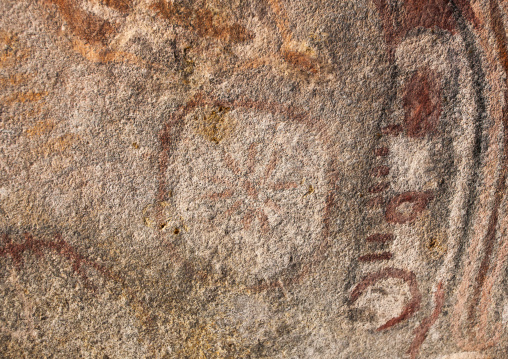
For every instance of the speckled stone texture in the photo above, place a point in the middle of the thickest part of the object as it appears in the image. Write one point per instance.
(254, 179)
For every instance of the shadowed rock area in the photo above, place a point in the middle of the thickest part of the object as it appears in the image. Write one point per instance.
(254, 179)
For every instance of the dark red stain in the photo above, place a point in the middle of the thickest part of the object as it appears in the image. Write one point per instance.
(422, 104)
(301, 61)
(407, 276)
(392, 130)
(380, 187)
(422, 330)
(419, 201)
(121, 5)
(412, 14)
(201, 21)
(380, 171)
(372, 257)
(380, 237)
(381, 151)
(84, 25)
(59, 246)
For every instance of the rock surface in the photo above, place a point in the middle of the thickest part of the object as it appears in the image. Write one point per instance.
(253, 179)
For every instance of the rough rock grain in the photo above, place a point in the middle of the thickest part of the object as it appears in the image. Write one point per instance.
(253, 179)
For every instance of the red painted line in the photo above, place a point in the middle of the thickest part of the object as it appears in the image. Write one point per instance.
(58, 245)
(489, 240)
(375, 257)
(419, 201)
(407, 276)
(422, 330)
(380, 171)
(380, 237)
(379, 187)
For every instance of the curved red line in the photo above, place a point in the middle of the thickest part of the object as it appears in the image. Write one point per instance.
(63, 248)
(16, 250)
(380, 237)
(490, 237)
(422, 330)
(407, 276)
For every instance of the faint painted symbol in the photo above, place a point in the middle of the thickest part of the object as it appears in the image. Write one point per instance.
(254, 190)
(257, 204)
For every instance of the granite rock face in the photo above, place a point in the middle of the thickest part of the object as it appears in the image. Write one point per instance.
(253, 179)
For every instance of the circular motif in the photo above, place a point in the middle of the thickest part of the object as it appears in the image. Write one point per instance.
(253, 201)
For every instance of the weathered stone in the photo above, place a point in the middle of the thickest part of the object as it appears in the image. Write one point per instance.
(262, 179)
